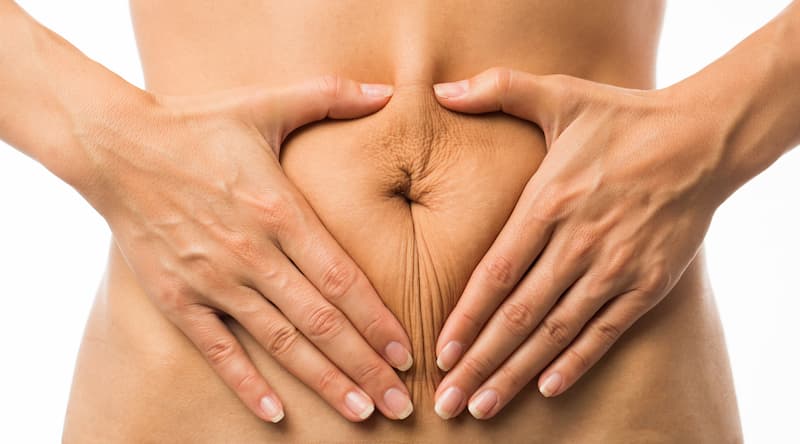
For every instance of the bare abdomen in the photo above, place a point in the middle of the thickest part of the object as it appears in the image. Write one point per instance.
(415, 194)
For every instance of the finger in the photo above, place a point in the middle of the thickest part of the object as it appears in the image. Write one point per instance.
(282, 110)
(509, 327)
(593, 343)
(296, 354)
(229, 360)
(551, 337)
(333, 334)
(538, 98)
(323, 261)
(517, 245)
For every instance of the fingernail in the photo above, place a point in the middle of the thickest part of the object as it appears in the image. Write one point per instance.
(377, 89)
(483, 403)
(551, 384)
(271, 407)
(400, 357)
(447, 405)
(452, 89)
(449, 355)
(359, 404)
(398, 402)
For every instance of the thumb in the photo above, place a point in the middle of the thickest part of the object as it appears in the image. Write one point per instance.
(279, 111)
(549, 101)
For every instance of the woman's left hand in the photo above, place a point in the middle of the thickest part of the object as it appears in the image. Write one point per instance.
(616, 212)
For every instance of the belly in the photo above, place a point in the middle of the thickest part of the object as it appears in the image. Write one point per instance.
(415, 194)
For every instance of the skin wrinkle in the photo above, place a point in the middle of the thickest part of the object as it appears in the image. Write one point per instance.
(426, 148)
(449, 167)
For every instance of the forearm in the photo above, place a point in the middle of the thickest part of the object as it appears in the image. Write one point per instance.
(751, 97)
(51, 93)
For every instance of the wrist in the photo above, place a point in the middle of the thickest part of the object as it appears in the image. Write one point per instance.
(102, 131)
(53, 95)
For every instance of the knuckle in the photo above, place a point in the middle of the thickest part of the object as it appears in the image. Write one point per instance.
(606, 331)
(328, 380)
(555, 331)
(220, 351)
(273, 210)
(373, 327)
(619, 263)
(503, 77)
(330, 86)
(578, 358)
(282, 339)
(472, 320)
(596, 295)
(583, 243)
(172, 297)
(476, 367)
(367, 371)
(517, 317)
(512, 377)
(243, 307)
(500, 271)
(596, 292)
(242, 246)
(657, 281)
(245, 381)
(324, 323)
(552, 202)
(337, 280)
(206, 272)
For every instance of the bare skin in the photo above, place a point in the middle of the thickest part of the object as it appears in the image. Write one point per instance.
(619, 235)
(207, 236)
(412, 178)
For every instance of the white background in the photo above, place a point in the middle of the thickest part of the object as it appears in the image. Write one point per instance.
(53, 245)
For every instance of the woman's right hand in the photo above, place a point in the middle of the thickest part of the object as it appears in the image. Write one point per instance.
(198, 203)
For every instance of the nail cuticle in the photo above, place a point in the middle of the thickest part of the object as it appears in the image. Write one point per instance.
(359, 404)
(449, 403)
(399, 356)
(551, 385)
(449, 355)
(398, 402)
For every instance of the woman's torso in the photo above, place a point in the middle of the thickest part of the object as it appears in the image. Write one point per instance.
(139, 380)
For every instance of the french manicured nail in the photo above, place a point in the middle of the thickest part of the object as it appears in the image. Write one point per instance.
(398, 402)
(377, 89)
(451, 90)
(272, 408)
(551, 384)
(400, 357)
(359, 404)
(449, 355)
(483, 403)
(448, 404)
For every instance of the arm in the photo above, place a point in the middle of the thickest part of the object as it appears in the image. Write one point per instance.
(752, 95)
(616, 212)
(194, 193)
